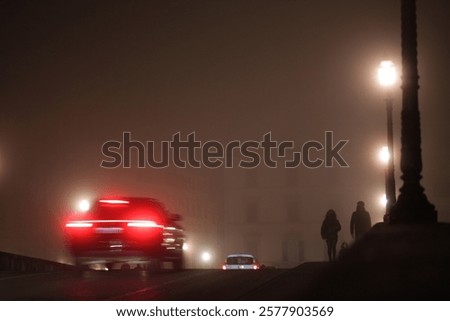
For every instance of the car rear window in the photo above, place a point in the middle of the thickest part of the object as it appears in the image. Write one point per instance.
(240, 260)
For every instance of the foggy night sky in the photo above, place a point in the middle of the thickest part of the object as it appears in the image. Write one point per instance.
(76, 74)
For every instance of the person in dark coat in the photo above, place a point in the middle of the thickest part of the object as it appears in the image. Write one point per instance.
(329, 231)
(360, 222)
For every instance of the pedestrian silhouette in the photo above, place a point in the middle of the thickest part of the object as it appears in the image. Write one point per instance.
(329, 231)
(360, 222)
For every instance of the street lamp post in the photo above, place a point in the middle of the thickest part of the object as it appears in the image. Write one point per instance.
(387, 77)
(412, 205)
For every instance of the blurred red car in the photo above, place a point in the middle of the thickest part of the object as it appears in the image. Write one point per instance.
(131, 230)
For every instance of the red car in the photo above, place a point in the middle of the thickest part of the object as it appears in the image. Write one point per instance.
(128, 230)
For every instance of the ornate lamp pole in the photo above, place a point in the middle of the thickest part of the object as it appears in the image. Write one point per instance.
(412, 205)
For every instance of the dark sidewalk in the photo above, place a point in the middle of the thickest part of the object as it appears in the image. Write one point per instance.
(401, 262)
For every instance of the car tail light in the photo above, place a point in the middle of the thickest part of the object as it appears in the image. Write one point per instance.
(142, 224)
(255, 267)
(114, 202)
(224, 267)
(79, 224)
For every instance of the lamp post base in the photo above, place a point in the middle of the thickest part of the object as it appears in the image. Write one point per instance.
(413, 208)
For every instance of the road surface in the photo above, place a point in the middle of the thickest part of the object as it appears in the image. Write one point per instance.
(166, 285)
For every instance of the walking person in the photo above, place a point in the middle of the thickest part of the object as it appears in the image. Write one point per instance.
(329, 231)
(360, 222)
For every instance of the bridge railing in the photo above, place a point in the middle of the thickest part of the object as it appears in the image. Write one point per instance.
(19, 263)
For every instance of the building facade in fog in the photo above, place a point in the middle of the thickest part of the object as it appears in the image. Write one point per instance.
(276, 213)
(263, 216)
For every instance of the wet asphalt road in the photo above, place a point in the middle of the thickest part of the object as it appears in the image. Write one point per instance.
(166, 285)
(133, 285)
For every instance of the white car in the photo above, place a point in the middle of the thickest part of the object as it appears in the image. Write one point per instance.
(241, 262)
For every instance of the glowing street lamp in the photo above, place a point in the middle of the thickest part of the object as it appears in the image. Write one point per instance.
(206, 257)
(387, 77)
(384, 155)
